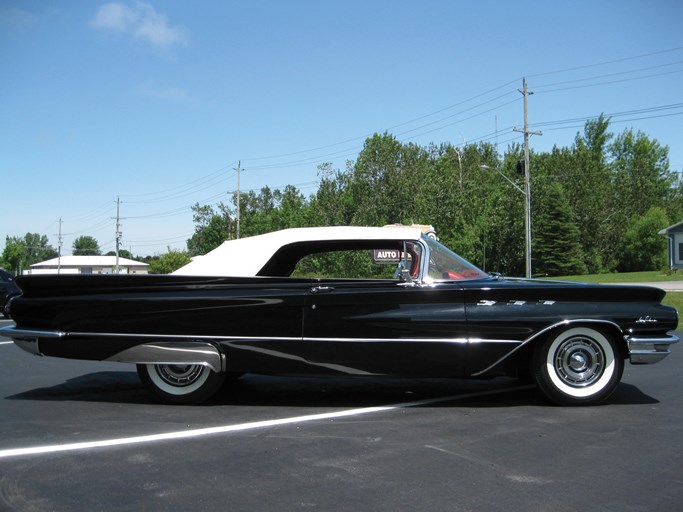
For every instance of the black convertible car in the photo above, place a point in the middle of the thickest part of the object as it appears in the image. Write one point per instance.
(344, 301)
(7, 287)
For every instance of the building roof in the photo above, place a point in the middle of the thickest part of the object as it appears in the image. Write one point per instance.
(675, 227)
(88, 261)
(246, 256)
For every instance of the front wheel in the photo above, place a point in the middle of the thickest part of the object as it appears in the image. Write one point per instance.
(180, 384)
(579, 366)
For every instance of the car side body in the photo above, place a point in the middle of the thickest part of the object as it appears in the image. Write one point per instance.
(239, 310)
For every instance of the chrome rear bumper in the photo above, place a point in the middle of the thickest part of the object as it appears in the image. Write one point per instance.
(27, 339)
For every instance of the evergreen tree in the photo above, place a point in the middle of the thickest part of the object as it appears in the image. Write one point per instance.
(557, 250)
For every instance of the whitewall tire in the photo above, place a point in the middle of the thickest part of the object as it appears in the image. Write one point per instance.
(180, 384)
(578, 366)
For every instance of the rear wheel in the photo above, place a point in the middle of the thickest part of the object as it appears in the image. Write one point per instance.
(180, 383)
(579, 366)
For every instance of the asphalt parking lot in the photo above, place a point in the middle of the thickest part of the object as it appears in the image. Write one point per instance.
(80, 435)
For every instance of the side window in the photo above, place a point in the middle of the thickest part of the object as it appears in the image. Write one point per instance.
(351, 264)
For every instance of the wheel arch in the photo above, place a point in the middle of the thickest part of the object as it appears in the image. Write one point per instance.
(521, 357)
(606, 327)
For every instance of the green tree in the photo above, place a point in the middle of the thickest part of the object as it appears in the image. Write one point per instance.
(557, 250)
(504, 214)
(211, 230)
(291, 208)
(21, 253)
(86, 246)
(123, 253)
(330, 205)
(641, 172)
(589, 188)
(14, 255)
(169, 262)
(381, 182)
(643, 248)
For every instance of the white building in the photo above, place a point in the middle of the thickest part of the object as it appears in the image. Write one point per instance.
(88, 265)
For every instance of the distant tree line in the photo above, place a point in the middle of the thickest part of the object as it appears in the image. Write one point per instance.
(22, 252)
(597, 206)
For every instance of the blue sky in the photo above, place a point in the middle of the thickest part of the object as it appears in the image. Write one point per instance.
(155, 102)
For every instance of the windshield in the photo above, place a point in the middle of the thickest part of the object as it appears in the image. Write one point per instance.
(444, 264)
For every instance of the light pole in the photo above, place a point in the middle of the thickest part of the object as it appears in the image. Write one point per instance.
(527, 211)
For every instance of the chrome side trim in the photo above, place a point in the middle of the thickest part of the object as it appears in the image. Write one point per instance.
(201, 337)
(183, 337)
(196, 349)
(200, 353)
(644, 350)
(387, 340)
(29, 334)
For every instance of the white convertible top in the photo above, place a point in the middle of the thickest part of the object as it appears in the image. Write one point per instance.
(246, 256)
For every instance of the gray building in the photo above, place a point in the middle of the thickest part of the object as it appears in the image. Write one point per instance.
(674, 235)
(88, 265)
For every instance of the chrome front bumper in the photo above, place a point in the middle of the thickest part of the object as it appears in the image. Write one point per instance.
(644, 350)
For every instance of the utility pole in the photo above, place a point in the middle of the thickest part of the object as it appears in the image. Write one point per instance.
(118, 233)
(238, 198)
(527, 174)
(59, 247)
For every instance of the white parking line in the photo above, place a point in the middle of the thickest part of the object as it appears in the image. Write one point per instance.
(200, 432)
(6, 342)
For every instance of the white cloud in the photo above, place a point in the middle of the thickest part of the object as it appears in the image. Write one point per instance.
(142, 22)
(114, 17)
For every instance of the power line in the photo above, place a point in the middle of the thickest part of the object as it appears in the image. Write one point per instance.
(608, 75)
(607, 62)
(613, 81)
(611, 116)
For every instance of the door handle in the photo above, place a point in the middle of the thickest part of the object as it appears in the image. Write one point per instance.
(322, 289)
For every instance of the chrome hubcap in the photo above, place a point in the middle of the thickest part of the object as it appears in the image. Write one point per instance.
(579, 361)
(179, 375)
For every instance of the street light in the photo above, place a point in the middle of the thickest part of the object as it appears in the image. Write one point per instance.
(527, 210)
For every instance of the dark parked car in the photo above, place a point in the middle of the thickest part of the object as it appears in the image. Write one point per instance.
(344, 301)
(8, 288)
